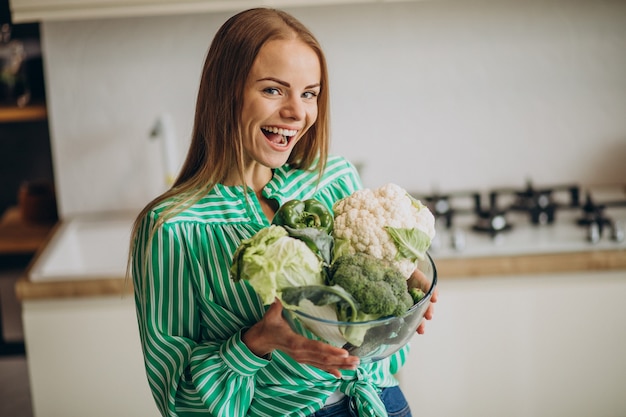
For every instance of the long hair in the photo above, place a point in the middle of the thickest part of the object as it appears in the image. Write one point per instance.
(216, 140)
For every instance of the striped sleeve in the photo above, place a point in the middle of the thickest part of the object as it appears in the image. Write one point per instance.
(186, 377)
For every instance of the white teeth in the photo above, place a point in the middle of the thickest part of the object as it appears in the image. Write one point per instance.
(279, 131)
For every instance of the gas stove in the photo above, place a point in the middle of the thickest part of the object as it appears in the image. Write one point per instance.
(528, 220)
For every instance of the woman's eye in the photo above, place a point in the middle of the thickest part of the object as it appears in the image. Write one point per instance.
(309, 94)
(271, 91)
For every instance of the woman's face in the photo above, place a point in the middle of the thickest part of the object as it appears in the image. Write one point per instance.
(279, 102)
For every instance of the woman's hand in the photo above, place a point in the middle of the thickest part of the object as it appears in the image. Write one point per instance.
(418, 279)
(273, 332)
(430, 311)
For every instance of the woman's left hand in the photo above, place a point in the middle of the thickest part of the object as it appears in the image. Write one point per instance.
(273, 332)
(419, 280)
(429, 311)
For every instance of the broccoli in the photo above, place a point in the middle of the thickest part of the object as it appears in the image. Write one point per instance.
(361, 288)
(417, 294)
(378, 288)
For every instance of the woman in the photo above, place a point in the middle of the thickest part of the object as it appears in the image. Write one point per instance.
(260, 138)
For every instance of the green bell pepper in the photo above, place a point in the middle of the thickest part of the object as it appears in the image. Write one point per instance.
(299, 214)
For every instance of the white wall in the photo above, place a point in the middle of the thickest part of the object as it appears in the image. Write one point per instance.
(449, 94)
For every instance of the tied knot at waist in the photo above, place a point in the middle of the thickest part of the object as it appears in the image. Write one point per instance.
(360, 386)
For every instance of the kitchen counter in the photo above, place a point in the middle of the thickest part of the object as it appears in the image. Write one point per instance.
(447, 268)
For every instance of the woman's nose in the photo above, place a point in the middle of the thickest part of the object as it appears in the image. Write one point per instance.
(293, 108)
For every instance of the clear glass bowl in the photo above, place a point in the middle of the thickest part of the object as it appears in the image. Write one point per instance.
(382, 337)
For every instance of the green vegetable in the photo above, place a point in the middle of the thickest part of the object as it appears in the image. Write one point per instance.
(317, 240)
(379, 289)
(417, 294)
(299, 214)
(320, 295)
(412, 244)
(271, 261)
(311, 222)
(340, 247)
(361, 288)
(320, 305)
(326, 302)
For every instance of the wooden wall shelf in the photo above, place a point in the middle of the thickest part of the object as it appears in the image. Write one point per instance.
(14, 114)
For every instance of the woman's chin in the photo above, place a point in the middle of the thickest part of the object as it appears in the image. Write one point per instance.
(277, 157)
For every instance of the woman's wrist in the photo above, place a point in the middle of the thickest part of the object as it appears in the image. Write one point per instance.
(253, 339)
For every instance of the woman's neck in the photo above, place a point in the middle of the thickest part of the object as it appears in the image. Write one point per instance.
(255, 177)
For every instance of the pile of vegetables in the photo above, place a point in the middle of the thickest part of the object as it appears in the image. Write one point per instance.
(350, 266)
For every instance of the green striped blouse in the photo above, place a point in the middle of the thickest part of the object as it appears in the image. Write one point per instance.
(191, 313)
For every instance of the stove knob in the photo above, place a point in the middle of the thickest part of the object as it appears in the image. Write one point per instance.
(617, 232)
(593, 232)
(458, 239)
(543, 201)
(498, 222)
(442, 206)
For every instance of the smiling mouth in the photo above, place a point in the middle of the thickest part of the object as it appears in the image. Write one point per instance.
(278, 136)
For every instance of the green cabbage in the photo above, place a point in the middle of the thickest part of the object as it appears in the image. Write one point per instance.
(271, 260)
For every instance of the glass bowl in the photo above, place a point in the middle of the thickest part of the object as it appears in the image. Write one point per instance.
(380, 338)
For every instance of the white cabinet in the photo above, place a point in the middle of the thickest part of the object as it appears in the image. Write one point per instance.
(84, 358)
(39, 10)
(544, 345)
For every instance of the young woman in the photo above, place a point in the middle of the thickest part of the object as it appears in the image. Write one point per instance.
(260, 138)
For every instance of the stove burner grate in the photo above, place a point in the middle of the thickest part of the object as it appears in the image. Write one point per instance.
(492, 220)
(447, 206)
(594, 218)
(492, 223)
(540, 204)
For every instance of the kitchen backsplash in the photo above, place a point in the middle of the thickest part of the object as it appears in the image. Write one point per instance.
(442, 94)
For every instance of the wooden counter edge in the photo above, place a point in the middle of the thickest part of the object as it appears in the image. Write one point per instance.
(531, 264)
(97, 287)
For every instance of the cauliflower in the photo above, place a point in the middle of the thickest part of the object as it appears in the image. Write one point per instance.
(386, 223)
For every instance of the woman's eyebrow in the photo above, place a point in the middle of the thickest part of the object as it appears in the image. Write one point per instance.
(285, 83)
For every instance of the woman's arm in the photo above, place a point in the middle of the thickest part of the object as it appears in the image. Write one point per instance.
(184, 371)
